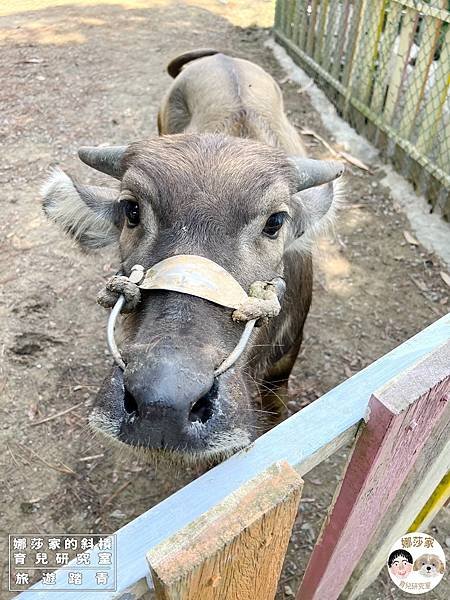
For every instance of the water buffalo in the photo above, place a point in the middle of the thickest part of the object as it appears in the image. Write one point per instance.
(226, 179)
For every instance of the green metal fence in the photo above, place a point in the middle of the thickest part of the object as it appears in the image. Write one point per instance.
(385, 64)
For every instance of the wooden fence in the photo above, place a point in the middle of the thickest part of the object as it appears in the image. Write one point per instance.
(224, 536)
(385, 64)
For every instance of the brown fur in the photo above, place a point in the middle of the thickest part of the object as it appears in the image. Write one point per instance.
(221, 94)
(220, 168)
(245, 101)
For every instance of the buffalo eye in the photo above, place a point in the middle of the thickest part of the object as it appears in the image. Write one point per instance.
(274, 224)
(131, 209)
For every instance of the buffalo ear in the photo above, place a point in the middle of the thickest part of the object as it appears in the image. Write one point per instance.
(91, 215)
(315, 211)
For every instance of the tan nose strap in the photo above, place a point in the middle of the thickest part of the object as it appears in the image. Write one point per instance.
(197, 276)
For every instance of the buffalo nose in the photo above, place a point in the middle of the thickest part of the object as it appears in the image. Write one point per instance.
(167, 397)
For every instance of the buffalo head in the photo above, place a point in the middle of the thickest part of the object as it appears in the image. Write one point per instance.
(240, 203)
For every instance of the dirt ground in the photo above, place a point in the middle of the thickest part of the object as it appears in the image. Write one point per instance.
(91, 72)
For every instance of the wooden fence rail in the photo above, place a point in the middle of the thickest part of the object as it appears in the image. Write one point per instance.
(401, 402)
(407, 421)
(236, 550)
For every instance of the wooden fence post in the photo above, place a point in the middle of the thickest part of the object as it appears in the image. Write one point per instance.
(236, 549)
(420, 487)
(406, 418)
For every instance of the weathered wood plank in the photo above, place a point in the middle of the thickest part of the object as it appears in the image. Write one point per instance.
(368, 50)
(426, 9)
(443, 153)
(322, 40)
(418, 81)
(303, 26)
(311, 39)
(290, 8)
(281, 6)
(278, 15)
(401, 418)
(342, 35)
(235, 550)
(437, 98)
(297, 21)
(355, 32)
(384, 57)
(331, 36)
(433, 462)
(299, 440)
(409, 24)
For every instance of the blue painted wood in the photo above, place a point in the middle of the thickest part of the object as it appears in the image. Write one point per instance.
(295, 440)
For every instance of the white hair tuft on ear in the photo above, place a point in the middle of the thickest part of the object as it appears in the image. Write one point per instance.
(63, 202)
(319, 211)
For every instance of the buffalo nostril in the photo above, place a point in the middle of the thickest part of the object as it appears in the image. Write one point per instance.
(129, 403)
(202, 410)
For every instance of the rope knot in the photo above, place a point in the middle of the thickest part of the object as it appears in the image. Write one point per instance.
(263, 302)
(117, 286)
